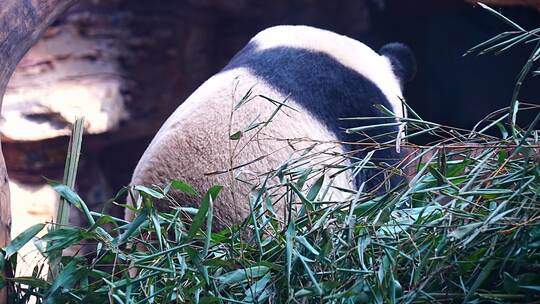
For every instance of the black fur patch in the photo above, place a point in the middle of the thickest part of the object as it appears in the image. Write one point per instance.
(327, 89)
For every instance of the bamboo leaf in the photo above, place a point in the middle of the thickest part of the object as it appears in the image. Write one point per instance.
(22, 239)
(203, 210)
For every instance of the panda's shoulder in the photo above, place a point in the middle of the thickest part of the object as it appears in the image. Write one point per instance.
(295, 40)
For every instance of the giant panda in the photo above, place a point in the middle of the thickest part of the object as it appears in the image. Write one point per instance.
(294, 83)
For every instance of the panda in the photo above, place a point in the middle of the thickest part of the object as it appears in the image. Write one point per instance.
(285, 92)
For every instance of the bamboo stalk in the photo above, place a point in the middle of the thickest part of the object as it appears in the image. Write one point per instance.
(70, 174)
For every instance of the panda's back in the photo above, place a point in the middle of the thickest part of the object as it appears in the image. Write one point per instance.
(318, 83)
(208, 113)
(195, 144)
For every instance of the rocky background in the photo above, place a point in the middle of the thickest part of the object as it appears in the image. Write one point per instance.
(127, 64)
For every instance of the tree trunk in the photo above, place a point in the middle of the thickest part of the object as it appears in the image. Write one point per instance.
(22, 22)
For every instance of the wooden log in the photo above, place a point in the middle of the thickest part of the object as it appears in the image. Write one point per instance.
(22, 22)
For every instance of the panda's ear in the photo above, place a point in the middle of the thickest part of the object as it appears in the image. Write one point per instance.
(402, 59)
